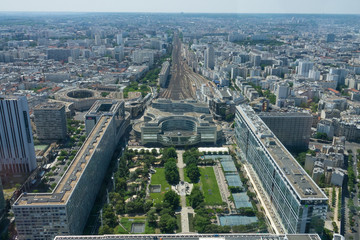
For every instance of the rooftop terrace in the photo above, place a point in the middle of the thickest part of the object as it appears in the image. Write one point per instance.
(69, 180)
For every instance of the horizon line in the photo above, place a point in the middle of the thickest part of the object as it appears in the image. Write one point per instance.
(228, 13)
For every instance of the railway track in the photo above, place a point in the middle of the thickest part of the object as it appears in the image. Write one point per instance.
(182, 79)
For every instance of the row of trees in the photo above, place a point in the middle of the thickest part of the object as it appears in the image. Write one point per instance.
(191, 159)
(166, 212)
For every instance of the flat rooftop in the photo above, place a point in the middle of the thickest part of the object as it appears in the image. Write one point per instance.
(296, 176)
(164, 67)
(104, 106)
(49, 106)
(69, 180)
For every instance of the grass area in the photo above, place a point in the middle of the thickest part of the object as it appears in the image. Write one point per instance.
(191, 222)
(207, 182)
(178, 222)
(159, 178)
(209, 186)
(9, 192)
(41, 147)
(127, 222)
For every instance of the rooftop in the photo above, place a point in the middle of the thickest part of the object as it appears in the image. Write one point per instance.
(69, 180)
(291, 170)
(49, 106)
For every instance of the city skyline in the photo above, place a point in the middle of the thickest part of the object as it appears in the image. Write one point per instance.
(186, 6)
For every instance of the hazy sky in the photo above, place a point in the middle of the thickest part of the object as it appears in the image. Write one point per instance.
(209, 6)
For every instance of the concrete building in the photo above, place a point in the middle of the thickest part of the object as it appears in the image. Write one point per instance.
(119, 39)
(164, 74)
(177, 123)
(143, 56)
(298, 201)
(293, 129)
(42, 216)
(50, 121)
(209, 57)
(17, 153)
(304, 68)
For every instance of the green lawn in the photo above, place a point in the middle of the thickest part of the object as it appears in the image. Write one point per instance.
(126, 222)
(209, 186)
(159, 178)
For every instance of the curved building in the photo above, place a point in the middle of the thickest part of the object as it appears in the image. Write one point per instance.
(180, 123)
(81, 98)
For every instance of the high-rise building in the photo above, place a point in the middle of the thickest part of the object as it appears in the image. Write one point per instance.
(17, 152)
(97, 40)
(293, 129)
(295, 197)
(330, 38)
(50, 121)
(304, 68)
(209, 56)
(65, 210)
(119, 39)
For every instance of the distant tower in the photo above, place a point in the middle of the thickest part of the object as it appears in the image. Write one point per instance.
(119, 39)
(304, 68)
(209, 57)
(97, 40)
(17, 152)
(50, 121)
(330, 38)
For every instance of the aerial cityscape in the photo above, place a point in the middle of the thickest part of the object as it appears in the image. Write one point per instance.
(196, 126)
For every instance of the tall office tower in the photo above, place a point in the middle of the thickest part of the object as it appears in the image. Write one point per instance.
(313, 74)
(2, 199)
(282, 91)
(330, 38)
(97, 40)
(304, 68)
(298, 201)
(293, 129)
(209, 56)
(17, 152)
(119, 53)
(66, 210)
(119, 39)
(59, 54)
(50, 121)
(341, 72)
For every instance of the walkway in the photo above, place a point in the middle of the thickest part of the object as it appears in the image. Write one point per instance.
(184, 209)
(224, 190)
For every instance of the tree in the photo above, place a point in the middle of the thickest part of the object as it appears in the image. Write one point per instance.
(152, 217)
(105, 229)
(173, 199)
(169, 153)
(109, 217)
(193, 172)
(154, 152)
(171, 173)
(167, 224)
(320, 135)
(196, 197)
